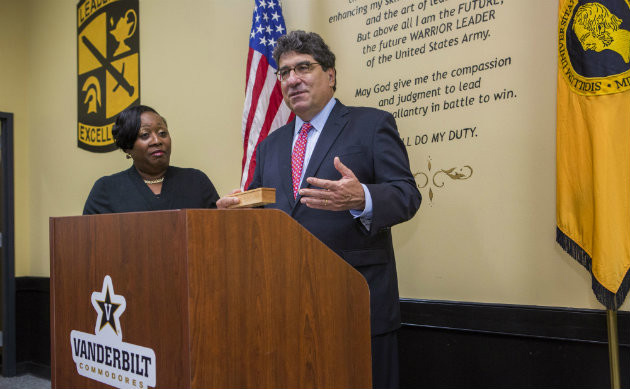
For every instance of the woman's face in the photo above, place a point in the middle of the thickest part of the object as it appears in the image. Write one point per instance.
(151, 152)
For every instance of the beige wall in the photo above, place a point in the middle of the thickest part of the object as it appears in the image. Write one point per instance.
(192, 70)
(490, 238)
(15, 35)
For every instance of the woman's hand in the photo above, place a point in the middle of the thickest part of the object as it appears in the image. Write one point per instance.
(227, 201)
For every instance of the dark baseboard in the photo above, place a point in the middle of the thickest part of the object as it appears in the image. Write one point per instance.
(36, 369)
(443, 344)
(446, 344)
(32, 318)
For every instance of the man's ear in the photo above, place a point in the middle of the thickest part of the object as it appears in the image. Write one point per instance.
(331, 76)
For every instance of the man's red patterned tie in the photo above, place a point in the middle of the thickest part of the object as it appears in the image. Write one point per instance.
(297, 158)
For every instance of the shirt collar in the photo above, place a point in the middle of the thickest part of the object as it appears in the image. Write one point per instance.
(318, 120)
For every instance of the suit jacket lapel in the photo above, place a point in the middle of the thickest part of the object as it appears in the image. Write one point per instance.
(335, 123)
(284, 161)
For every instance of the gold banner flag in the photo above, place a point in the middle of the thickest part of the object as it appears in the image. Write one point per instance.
(593, 142)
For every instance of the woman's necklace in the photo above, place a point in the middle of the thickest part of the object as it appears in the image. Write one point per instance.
(156, 181)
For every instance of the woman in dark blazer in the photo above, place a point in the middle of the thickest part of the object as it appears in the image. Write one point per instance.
(150, 184)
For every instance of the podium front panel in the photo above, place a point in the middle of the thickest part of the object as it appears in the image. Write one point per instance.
(203, 299)
(144, 254)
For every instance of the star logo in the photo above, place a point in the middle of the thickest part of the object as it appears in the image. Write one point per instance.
(107, 312)
(109, 306)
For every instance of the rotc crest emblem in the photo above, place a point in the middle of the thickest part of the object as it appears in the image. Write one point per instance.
(108, 47)
(594, 46)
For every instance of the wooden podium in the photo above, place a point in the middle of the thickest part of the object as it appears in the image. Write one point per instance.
(224, 299)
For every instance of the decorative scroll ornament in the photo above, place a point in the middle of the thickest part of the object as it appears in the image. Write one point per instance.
(437, 178)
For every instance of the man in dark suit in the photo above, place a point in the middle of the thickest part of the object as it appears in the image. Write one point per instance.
(343, 173)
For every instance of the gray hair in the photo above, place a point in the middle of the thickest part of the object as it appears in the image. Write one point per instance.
(306, 43)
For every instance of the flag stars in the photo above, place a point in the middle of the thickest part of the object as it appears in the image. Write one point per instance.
(264, 29)
(267, 27)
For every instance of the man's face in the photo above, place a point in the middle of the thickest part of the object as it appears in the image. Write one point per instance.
(588, 41)
(308, 94)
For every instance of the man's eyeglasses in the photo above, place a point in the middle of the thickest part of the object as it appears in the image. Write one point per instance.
(301, 70)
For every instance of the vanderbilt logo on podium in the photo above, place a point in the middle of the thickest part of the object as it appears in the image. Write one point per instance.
(103, 356)
(108, 46)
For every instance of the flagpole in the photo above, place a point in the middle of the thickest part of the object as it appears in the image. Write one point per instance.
(613, 348)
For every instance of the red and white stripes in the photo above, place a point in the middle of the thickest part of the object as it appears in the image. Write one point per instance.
(263, 111)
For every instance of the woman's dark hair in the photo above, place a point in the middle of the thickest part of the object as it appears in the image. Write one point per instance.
(125, 130)
(306, 43)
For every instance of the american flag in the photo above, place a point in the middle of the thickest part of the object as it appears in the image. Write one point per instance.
(264, 109)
